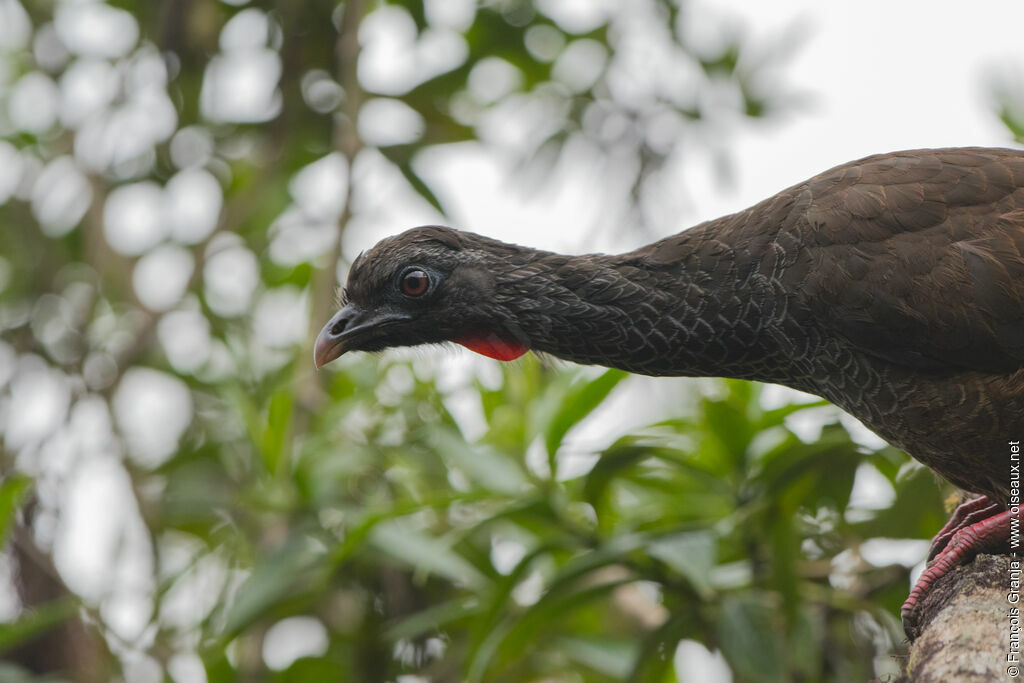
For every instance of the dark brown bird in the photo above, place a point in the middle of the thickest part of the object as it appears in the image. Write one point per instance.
(892, 286)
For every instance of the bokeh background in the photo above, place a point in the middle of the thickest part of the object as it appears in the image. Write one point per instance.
(182, 187)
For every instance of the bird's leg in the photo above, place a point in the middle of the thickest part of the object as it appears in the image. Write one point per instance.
(965, 515)
(990, 533)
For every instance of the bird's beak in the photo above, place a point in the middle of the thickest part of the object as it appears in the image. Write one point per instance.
(330, 343)
(350, 322)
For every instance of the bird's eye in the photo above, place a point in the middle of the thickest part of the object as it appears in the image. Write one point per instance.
(414, 282)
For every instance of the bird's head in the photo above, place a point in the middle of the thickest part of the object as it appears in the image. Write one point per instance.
(427, 285)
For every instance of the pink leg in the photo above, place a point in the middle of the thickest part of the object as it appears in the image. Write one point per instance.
(966, 542)
(965, 515)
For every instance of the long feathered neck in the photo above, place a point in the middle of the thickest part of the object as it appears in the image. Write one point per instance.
(688, 305)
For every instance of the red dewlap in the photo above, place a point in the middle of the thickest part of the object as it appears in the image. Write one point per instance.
(494, 347)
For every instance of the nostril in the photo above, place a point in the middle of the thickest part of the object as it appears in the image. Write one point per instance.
(342, 322)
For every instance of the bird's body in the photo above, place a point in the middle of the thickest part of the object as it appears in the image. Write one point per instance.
(892, 286)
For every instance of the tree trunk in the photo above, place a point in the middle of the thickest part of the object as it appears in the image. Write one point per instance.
(71, 648)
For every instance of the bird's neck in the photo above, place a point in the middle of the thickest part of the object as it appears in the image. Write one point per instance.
(692, 307)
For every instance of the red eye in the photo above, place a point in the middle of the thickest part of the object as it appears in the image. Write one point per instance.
(415, 282)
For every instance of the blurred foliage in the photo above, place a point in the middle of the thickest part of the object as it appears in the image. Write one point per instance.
(1010, 109)
(350, 514)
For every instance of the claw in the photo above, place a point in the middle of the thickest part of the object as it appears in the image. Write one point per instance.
(965, 515)
(958, 543)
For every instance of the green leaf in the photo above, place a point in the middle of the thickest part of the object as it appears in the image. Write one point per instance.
(12, 673)
(621, 456)
(654, 661)
(691, 554)
(805, 652)
(13, 491)
(401, 157)
(564, 591)
(918, 511)
(777, 416)
(610, 657)
(313, 670)
(433, 618)
(725, 63)
(276, 434)
(273, 580)
(218, 668)
(814, 474)
(747, 633)
(247, 409)
(577, 403)
(421, 551)
(1013, 119)
(494, 471)
(35, 622)
(785, 551)
(500, 598)
(512, 638)
(730, 427)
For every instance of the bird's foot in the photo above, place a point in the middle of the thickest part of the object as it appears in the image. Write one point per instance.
(970, 534)
(965, 515)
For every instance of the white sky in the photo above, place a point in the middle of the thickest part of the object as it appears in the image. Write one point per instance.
(884, 76)
(880, 75)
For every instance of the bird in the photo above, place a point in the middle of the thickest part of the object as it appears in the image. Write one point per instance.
(892, 286)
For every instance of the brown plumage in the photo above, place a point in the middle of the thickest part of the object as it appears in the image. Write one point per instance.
(893, 286)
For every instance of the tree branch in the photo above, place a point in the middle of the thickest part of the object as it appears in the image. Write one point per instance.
(964, 625)
(346, 140)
